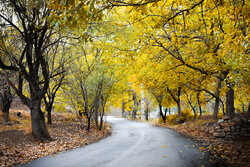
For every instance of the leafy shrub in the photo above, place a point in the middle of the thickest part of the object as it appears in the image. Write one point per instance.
(59, 108)
(171, 118)
(175, 119)
(187, 114)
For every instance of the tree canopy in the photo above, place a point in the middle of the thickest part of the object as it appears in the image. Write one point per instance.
(89, 55)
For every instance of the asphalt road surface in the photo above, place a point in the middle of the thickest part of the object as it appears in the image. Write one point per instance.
(132, 144)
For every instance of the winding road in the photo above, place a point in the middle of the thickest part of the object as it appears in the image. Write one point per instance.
(132, 144)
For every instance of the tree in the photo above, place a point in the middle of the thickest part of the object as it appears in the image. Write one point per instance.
(57, 68)
(35, 23)
(198, 35)
(6, 97)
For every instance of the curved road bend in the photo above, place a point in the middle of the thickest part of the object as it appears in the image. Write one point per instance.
(132, 144)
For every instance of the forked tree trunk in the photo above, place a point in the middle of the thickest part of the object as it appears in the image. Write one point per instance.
(176, 99)
(39, 129)
(165, 113)
(161, 113)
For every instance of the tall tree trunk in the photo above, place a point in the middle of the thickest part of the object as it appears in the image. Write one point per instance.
(101, 118)
(230, 102)
(190, 103)
(135, 106)
(169, 110)
(48, 107)
(147, 108)
(146, 113)
(101, 123)
(6, 98)
(195, 115)
(87, 109)
(123, 109)
(39, 129)
(176, 99)
(7, 116)
(165, 113)
(6, 110)
(89, 120)
(216, 108)
(49, 120)
(199, 102)
(179, 107)
(179, 102)
(96, 113)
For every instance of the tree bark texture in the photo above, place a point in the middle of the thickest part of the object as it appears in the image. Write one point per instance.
(179, 102)
(135, 106)
(123, 109)
(147, 110)
(6, 98)
(216, 108)
(31, 64)
(49, 119)
(179, 107)
(96, 106)
(230, 102)
(39, 129)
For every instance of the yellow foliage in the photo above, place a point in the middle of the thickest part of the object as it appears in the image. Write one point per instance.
(171, 118)
(187, 114)
(60, 108)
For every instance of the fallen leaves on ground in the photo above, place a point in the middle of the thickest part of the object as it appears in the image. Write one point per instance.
(234, 153)
(17, 146)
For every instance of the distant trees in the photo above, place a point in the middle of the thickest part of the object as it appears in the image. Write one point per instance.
(90, 84)
(202, 44)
